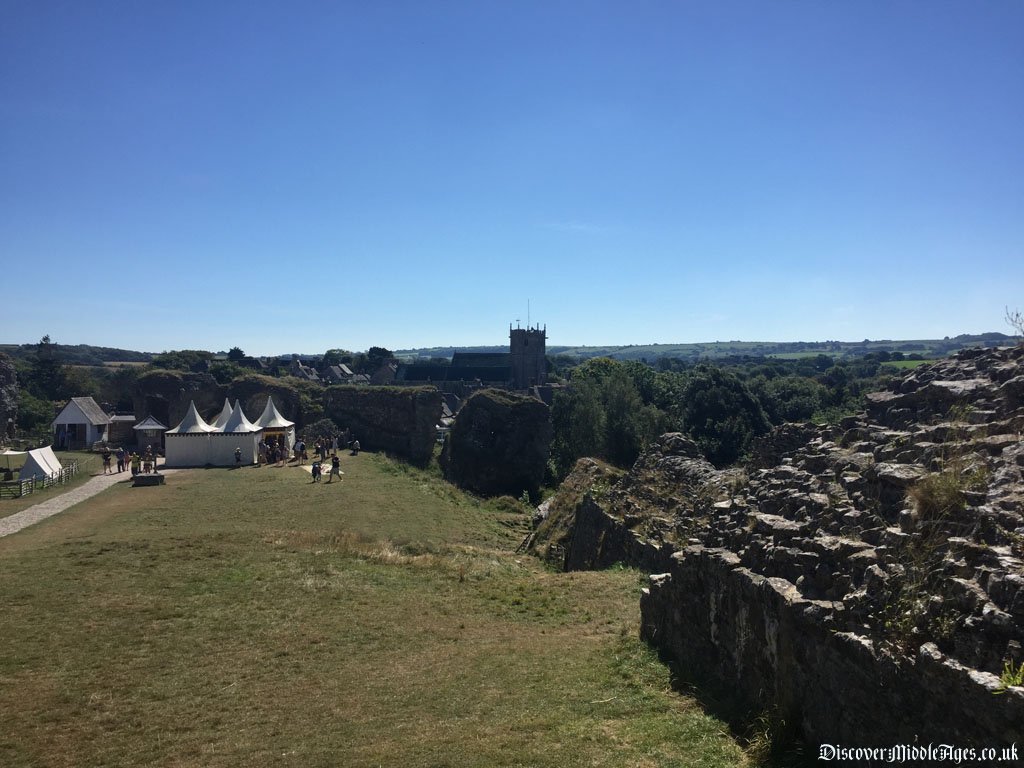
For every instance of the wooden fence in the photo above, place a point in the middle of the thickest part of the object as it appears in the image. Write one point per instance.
(18, 488)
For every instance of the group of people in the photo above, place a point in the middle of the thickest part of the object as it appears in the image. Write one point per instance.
(133, 461)
(273, 452)
(335, 471)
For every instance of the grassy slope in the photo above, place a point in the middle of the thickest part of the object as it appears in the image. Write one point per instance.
(249, 617)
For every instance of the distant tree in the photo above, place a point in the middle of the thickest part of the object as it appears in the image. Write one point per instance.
(34, 413)
(579, 422)
(118, 386)
(337, 357)
(602, 414)
(235, 354)
(789, 398)
(8, 393)
(377, 356)
(79, 382)
(630, 425)
(226, 371)
(371, 360)
(46, 378)
(720, 413)
(194, 360)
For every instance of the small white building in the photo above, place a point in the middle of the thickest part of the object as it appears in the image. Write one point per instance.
(79, 424)
(150, 432)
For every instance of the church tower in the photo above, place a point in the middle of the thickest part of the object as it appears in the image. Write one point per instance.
(527, 348)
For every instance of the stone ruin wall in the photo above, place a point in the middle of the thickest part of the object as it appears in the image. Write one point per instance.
(400, 420)
(813, 588)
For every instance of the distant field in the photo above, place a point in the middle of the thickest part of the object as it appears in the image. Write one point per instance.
(250, 617)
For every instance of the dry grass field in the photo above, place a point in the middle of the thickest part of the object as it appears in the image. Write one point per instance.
(251, 617)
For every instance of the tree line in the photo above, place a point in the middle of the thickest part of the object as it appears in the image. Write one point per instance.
(612, 410)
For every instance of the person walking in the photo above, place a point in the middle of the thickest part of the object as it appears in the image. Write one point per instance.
(335, 469)
(106, 461)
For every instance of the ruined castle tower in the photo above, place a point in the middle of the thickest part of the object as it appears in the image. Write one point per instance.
(527, 348)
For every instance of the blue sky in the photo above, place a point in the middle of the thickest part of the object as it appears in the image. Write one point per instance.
(308, 175)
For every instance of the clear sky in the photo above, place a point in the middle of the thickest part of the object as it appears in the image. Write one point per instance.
(299, 176)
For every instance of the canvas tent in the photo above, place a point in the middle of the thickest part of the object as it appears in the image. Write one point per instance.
(276, 428)
(222, 418)
(8, 455)
(194, 443)
(40, 463)
(237, 432)
(188, 444)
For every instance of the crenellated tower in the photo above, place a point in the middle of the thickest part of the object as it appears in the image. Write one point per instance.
(527, 350)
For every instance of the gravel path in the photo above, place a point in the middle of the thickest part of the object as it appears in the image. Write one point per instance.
(58, 504)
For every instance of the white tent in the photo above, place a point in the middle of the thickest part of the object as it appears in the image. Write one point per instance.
(40, 463)
(194, 443)
(276, 426)
(7, 455)
(236, 432)
(225, 414)
(188, 444)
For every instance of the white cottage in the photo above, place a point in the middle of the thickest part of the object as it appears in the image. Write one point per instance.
(79, 424)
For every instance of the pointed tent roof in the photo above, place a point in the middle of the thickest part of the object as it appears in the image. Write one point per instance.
(222, 419)
(237, 423)
(149, 423)
(272, 419)
(192, 424)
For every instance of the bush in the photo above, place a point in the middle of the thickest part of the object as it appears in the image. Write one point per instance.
(720, 414)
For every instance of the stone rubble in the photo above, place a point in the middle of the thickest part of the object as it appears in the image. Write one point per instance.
(865, 580)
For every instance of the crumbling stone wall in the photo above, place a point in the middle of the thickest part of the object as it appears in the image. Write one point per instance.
(400, 420)
(296, 400)
(766, 649)
(499, 444)
(864, 582)
(166, 394)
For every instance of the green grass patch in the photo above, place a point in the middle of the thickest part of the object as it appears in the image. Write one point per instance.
(251, 617)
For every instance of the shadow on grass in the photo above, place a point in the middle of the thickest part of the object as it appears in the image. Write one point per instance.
(770, 739)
